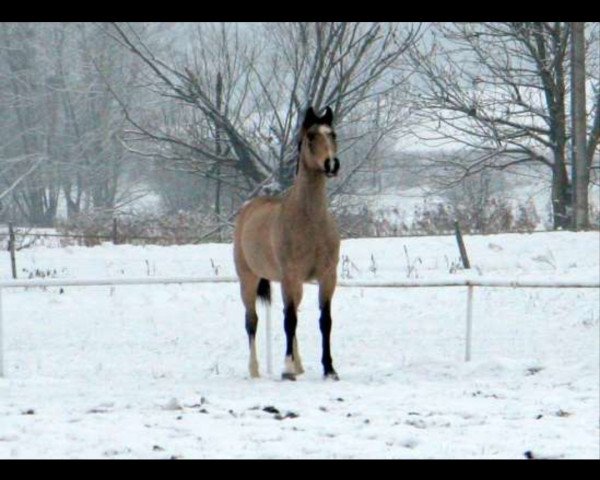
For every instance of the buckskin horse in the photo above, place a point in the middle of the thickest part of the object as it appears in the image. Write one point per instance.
(293, 239)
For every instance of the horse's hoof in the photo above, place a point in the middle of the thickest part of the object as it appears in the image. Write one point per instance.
(288, 376)
(331, 376)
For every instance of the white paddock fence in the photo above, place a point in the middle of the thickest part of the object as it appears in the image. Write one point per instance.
(470, 283)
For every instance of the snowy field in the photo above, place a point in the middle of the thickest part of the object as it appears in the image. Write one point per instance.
(160, 371)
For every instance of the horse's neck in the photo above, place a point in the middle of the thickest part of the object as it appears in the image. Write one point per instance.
(309, 193)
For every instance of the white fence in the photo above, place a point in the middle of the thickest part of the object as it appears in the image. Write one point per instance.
(470, 283)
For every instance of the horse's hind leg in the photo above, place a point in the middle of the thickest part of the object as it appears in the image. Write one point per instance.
(326, 289)
(249, 285)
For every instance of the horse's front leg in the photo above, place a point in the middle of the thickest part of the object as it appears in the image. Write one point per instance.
(326, 289)
(297, 360)
(292, 296)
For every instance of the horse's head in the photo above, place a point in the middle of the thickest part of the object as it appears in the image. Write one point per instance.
(318, 146)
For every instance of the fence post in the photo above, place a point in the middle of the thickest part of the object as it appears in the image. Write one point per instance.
(268, 340)
(469, 323)
(461, 246)
(114, 231)
(11, 248)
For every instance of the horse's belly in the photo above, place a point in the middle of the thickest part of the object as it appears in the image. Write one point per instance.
(261, 260)
(319, 269)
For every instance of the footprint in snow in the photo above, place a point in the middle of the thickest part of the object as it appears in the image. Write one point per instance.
(172, 404)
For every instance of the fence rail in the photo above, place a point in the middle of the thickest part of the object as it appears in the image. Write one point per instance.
(482, 281)
(470, 283)
(111, 236)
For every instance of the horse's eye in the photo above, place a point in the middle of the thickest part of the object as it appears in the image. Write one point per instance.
(311, 136)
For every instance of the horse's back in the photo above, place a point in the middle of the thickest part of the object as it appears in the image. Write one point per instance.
(256, 211)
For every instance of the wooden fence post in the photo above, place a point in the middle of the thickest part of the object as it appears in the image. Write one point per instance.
(461, 246)
(114, 231)
(11, 249)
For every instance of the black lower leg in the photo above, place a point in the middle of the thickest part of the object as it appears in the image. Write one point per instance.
(290, 321)
(325, 325)
(251, 323)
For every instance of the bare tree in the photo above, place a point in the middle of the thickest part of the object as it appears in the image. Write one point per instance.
(28, 124)
(95, 120)
(244, 131)
(502, 89)
(60, 128)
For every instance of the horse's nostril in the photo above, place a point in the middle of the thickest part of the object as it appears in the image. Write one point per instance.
(327, 165)
(336, 165)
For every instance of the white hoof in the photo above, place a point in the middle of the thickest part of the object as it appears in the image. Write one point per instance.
(289, 369)
(253, 368)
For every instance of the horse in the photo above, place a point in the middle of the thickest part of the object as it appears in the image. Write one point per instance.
(293, 239)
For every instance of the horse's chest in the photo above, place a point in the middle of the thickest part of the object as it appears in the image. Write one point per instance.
(309, 256)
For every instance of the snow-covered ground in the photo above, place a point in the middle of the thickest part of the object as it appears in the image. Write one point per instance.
(160, 371)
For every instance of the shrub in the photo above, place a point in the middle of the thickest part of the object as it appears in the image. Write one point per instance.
(146, 228)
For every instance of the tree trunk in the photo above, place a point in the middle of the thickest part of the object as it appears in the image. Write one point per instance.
(581, 173)
(219, 92)
(561, 194)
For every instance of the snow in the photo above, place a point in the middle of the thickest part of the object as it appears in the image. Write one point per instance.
(161, 371)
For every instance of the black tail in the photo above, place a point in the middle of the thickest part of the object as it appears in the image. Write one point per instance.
(264, 290)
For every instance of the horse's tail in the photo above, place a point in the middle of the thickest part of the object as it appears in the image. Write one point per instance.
(264, 290)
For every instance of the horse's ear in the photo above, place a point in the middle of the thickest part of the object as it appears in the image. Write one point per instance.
(310, 118)
(327, 119)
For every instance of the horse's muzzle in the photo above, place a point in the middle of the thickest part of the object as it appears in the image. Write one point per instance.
(331, 168)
